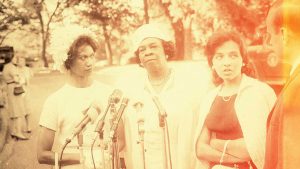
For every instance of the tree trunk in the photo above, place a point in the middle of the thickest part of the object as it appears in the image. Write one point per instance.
(188, 40)
(108, 50)
(46, 64)
(43, 38)
(179, 39)
(178, 33)
(146, 16)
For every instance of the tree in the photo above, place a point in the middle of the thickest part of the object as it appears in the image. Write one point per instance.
(182, 14)
(245, 16)
(12, 18)
(194, 21)
(45, 17)
(116, 18)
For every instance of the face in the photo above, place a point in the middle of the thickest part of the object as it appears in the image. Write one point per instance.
(227, 61)
(274, 39)
(84, 62)
(21, 62)
(151, 52)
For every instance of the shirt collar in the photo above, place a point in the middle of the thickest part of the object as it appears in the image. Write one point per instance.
(168, 84)
(294, 66)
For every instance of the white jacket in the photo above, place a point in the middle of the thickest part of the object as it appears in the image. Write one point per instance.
(253, 103)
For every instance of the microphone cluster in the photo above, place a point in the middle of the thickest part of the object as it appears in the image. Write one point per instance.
(92, 113)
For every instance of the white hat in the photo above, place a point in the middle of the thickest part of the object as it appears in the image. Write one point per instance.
(151, 30)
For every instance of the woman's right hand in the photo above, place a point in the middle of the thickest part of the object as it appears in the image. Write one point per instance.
(45, 154)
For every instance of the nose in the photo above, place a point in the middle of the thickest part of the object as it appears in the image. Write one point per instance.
(226, 61)
(89, 61)
(147, 51)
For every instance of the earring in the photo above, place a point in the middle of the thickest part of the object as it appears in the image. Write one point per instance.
(243, 64)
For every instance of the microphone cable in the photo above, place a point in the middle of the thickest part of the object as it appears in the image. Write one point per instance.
(99, 127)
(168, 140)
(62, 152)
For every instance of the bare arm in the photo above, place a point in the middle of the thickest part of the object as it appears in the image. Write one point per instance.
(235, 148)
(205, 151)
(44, 153)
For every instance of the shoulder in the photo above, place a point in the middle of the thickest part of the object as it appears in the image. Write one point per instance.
(101, 86)
(257, 91)
(58, 96)
(254, 85)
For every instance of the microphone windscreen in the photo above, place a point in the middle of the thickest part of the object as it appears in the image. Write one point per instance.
(92, 114)
(116, 96)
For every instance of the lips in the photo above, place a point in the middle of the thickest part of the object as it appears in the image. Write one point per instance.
(227, 70)
(148, 59)
(89, 69)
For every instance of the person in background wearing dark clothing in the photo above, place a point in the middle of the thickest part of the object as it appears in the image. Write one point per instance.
(283, 28)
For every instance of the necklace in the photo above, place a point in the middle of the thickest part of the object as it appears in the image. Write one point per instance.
(226, 98)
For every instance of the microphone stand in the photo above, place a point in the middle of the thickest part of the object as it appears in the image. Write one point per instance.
(113, 134)
(99, 128)
(164, 125)
(141, 130)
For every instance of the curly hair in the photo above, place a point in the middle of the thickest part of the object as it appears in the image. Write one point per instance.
(169, 50)
(218, 39)
(73, 50)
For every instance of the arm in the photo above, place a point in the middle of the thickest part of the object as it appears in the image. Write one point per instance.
(44, 153)
(205, 151)
(235, 148)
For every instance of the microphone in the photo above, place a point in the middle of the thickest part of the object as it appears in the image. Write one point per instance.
(90, 116)
(161, 111)
(141, 128)
(119, 115)
(140, 120)
(114, 98)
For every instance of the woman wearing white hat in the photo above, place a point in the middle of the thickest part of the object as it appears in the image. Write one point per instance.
(153, 47)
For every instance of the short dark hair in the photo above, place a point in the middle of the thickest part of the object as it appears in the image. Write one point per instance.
(285, 13)
(218, 39)
(169, 50)
(73, 50)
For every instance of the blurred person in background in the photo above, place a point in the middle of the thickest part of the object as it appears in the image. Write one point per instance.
(27, 74)
(232, 120)
(179, 95)
(4, 117)
(16, 108)
(283, 30)
(65, 108)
